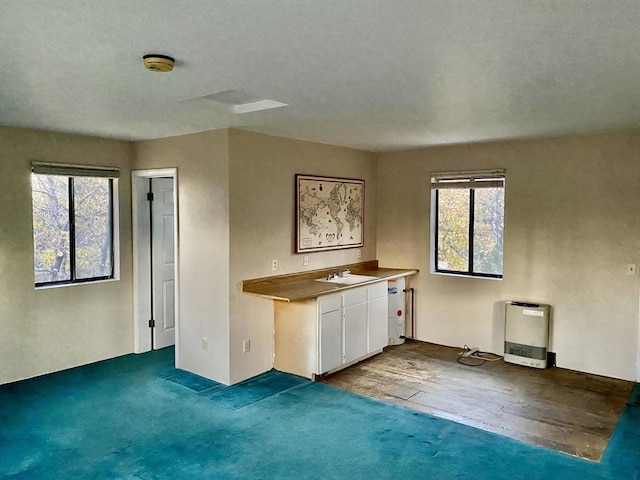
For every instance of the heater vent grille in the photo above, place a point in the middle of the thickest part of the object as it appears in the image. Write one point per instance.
(526, 351)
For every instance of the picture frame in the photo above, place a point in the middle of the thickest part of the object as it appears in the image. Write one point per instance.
(329, 213)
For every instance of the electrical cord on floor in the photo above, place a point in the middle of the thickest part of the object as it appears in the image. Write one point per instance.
(478, 358)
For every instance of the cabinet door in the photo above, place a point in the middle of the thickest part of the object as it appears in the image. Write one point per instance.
(330, 350)
(378, 323)
(355, 331)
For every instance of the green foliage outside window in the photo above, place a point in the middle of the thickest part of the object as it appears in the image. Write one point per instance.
(470, 231)
(72, 228)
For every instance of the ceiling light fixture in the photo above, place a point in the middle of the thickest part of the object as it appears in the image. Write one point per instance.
(158, 63)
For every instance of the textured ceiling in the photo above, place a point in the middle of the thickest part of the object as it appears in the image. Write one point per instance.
(370, 74)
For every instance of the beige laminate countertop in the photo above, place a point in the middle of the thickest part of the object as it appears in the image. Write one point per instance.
(292, 290)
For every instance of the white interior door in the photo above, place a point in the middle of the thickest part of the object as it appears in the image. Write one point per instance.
(163, 267)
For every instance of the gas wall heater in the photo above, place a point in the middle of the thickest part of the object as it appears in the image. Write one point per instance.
(526, 334)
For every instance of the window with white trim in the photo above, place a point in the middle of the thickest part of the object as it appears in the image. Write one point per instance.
(73, 223)
(467, 212)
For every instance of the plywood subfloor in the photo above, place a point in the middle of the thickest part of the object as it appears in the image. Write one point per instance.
(560, 409)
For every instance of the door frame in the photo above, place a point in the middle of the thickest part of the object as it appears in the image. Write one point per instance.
(638, 347)
(141, 229)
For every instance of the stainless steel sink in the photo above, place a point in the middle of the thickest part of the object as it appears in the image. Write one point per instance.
(349, 279)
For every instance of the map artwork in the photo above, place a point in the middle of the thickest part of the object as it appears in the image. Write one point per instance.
(330, 213)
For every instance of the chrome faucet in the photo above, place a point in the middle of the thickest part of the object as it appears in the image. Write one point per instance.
(333, 275)
(345, 273)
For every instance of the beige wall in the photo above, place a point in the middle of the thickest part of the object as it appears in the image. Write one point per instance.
(236, 202)
(202, 160)
(262, 199)
(56, 328)
(572, 224)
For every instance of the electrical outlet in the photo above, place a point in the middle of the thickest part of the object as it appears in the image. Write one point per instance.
(359, 253)
(305, 260)
(631, 269)
(205, 343)
(246, 346)
(274, 265)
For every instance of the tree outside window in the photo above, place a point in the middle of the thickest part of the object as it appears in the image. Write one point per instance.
(469, 224)
(72, 228)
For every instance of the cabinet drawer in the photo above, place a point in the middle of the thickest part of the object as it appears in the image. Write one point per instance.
(377, 290)
(329, 303)
(355, 295)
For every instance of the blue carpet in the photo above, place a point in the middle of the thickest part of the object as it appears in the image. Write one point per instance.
(194, 382)
(255, 389)
(123, 419)
(240, 395)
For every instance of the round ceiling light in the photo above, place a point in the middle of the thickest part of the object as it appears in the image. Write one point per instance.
(158, 63)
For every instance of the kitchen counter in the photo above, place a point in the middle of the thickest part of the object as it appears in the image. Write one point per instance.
(304, 286)
(318, 330)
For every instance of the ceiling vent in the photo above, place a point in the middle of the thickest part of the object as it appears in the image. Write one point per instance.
(239, 101)
(158, 63)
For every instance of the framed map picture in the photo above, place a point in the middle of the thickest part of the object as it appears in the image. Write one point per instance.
(329, 213)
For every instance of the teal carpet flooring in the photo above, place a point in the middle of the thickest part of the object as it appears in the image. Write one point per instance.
(137, 417)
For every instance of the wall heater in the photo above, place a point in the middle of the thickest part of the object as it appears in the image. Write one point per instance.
(526, 334)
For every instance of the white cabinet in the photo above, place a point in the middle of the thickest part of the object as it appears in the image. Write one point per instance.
(355, 332)
(377, 311)
(354, 305)
(324, 334)
(329, 303)
(330, 333)
(378, 335)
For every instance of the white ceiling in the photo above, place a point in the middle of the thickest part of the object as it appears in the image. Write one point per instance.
(372, 74)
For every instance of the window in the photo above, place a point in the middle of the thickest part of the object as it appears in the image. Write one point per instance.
(73, 224)
(468, 223)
